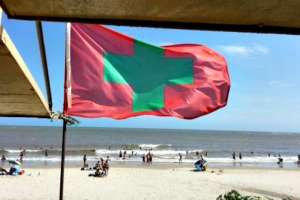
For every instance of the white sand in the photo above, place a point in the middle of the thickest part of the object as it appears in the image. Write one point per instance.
(154, 184)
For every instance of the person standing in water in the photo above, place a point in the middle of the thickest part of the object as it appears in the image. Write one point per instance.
(280, 161)
(46, 152)
(22, 155)
(298, 162)
(233, 155)
(180, 158)
(240, 156)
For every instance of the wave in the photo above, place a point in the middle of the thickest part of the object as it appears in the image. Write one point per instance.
(20, 150)
(155, 152)
(81, 150)
(42, 151)
(154, 146)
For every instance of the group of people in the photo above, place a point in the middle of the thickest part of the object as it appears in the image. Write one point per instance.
(123, 154)
(14, 170)
(234, 155)
(101, 167)
(201, 164)
(147, 158)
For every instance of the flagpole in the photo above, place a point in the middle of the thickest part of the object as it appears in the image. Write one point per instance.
(62, 166)
(65, 119)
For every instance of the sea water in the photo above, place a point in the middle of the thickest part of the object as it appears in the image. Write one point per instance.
(259, 149)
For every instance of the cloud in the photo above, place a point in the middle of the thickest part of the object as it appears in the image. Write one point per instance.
(260, 49)
(164, 43)
(280, 84)
(240, 50)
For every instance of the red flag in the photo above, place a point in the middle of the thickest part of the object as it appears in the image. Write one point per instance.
(112, 75)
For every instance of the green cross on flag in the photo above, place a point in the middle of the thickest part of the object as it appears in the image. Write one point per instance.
(157, 71)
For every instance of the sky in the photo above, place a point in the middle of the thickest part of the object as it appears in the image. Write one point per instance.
(264, 71)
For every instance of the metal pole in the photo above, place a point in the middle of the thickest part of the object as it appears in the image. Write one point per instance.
(1, 13)
(39, 30)
(62, 166)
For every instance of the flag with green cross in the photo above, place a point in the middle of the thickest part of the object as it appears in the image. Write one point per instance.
(112, 75)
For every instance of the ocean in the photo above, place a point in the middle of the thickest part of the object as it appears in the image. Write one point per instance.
(258, 149)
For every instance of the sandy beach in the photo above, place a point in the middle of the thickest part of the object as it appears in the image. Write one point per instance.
(136, 183)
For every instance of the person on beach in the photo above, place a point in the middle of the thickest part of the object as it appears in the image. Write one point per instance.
(97, 165)
(150, 158)
(205, 153)
(120, 154)
(240, 156)
(22, 155)
(201, 164)
(233, 155)
(144, 158)
(106, 166)
(298, 162)
(280, 161)
(46, 152)
(14, 170)
(3, 158)
(147, 158)
(108, 158)
(84, 160)
(180, 158)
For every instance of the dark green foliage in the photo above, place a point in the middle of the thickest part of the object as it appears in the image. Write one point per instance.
(234, 195)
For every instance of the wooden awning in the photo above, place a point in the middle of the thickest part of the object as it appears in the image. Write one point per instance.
(268, 16)
(20, 95)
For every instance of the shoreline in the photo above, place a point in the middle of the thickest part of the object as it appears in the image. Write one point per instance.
(169, 166)
(161, 165)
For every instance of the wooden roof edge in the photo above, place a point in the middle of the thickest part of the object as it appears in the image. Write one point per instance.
(23, 67)
(27, 116)
(253, 28)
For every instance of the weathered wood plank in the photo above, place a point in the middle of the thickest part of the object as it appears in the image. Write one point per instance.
(19, 93)
(276, 16)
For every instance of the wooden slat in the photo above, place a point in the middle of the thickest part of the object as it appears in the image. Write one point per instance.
(19, 93)
(269, 16)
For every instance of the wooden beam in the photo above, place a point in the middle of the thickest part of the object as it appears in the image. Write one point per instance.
(19, 92)
(265, 16)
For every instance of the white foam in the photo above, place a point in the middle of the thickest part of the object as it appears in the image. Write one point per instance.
(253, 160)
(20, 150)
(141, 152)
(152, 146)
